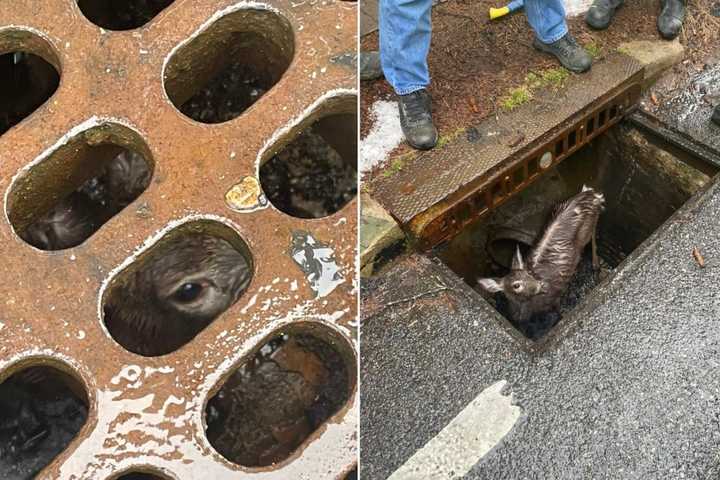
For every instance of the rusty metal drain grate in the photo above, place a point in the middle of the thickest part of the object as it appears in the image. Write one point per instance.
(125, 89)
(435, 195)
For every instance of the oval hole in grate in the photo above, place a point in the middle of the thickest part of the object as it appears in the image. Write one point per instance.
(42, 409)
(143, 473)
(29, 75)
(312, 171)
(228, 66)
(66, 195)
(291, 386)
(122, 14)
(177, 287)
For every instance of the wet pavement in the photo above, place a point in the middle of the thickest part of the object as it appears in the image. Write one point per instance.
(688, 106)
(625, 388)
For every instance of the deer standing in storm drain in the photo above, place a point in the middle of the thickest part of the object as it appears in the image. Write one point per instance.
(537, 283)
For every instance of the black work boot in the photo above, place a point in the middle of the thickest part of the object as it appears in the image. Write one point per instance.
(416, 119)
(571, 55)
(716, 116)
(370, 68)
(601, 12)
(671, 18)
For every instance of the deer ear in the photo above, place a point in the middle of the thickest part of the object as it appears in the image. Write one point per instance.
(518, 263)
(490, 285)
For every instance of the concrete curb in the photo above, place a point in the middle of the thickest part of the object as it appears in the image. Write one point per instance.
(656, 56)
(379, 233)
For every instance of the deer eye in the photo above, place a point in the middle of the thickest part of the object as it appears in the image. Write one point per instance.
(188, 292)
(517, 286)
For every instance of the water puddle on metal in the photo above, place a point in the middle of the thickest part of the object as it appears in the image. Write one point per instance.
(26, 82)
(317, 261)
(122, 14)
(644, 180)
(41, 411)
(270, 405)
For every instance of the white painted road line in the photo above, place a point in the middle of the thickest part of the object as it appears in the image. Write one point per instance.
(465, 440)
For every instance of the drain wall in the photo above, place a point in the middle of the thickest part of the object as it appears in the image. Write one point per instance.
(644, 181)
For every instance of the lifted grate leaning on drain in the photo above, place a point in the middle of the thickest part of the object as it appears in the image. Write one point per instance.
(493, 190)
(141, 80)
(436, 192)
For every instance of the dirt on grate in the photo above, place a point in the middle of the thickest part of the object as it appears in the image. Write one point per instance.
(474, 63)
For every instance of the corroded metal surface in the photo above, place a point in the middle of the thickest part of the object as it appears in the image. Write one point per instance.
(148, 412)
(426, 187)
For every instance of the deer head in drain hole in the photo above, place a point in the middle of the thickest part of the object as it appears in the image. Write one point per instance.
(173, 295)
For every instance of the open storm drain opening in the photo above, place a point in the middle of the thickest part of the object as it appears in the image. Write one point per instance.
(122, 14)
(269, 406)
(29, 75)
(141, 474)
(644, 181)
(315, 174)
(42, 409)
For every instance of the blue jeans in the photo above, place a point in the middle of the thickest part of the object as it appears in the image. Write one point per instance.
(405, 37)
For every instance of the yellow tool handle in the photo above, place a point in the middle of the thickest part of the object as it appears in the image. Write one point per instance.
(498, 12)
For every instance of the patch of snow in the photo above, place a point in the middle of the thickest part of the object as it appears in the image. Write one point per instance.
(574, 8)
(385, 135)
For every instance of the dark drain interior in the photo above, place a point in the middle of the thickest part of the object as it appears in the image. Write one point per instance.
(26, 82)
(122, 14)
(140, 476)
(41, 411)
(177, 288)
(230, 65)
(65, 198)
(315, 175)
(271, 404)
(644, 181)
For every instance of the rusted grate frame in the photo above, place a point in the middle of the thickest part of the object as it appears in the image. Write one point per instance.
(148, 412)
(489, 192)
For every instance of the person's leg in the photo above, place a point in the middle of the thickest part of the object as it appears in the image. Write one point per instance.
(716, 115)
(671, 18)
(404, 45)
(601, 12)
(547, 19)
